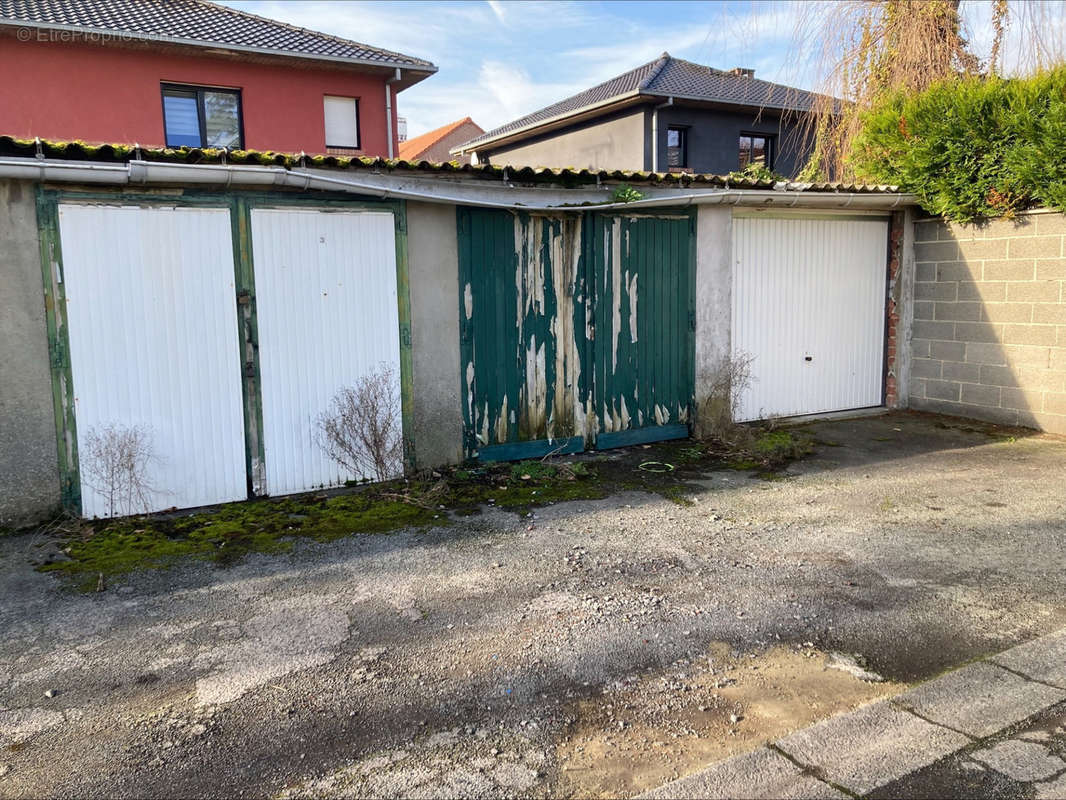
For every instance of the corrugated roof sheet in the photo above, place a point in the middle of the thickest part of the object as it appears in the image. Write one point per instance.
(663, 77)
(123, 153)
(201, 22)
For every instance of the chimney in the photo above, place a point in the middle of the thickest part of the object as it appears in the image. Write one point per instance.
(742, 72)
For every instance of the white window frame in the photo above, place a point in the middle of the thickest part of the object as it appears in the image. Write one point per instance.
(331, 111)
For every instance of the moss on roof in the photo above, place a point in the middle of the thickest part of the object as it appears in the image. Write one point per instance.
(123, 153)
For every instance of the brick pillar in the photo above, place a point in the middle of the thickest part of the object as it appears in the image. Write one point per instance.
(892, 306)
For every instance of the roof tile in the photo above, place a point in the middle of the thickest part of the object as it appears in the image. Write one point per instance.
(414, 147)
(669, 76)
(198, 21)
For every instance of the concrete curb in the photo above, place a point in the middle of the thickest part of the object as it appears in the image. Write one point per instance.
(855, 753)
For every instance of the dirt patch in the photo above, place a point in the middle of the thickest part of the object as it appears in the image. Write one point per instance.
(646, 730)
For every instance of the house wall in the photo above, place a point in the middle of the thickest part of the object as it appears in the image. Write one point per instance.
(713, 138)
(29, 471)
(989, 330)
(438, 152)
(615, 142)
(99, 93)
(433, 264)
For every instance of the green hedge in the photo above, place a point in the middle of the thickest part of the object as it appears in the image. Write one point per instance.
(971, 149)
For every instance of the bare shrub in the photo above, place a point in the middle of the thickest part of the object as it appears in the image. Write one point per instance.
(717, 412)
(114, 461)
(362, 430)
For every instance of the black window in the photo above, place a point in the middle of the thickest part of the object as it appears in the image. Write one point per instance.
(199, 116)
(756, 148)
(676, 147)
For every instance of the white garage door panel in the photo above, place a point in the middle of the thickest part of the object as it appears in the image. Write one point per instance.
(808, 307)
(154, 344)
(325, 287)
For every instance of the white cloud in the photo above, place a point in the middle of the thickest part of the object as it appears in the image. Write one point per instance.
(497, 9)
(500, 60)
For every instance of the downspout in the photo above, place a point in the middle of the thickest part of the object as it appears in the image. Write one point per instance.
(655, 133)
(388, 108)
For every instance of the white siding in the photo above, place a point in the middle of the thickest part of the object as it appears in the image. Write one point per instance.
(325, 286)
(809, 289)
(154, 343)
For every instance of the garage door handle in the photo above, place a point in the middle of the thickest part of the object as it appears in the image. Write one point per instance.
(808, 358)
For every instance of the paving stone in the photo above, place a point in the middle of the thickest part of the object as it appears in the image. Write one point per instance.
(980, 699)
(872, 746)
(1053, 790)
(1043, 659)
(761, 773)
(1022, 761)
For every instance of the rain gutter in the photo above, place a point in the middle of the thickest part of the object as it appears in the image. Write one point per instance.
(139, 173)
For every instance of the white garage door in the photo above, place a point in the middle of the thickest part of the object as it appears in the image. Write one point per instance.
(154, 347)
(325, 284)
(809, 310)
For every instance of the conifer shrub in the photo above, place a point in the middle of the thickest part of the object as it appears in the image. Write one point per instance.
(973, 148)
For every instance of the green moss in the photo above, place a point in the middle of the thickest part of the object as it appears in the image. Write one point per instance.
(533, 470)
(226, 535)
(743, 464)
(676, 494)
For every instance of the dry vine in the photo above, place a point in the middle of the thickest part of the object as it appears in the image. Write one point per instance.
(863, 49)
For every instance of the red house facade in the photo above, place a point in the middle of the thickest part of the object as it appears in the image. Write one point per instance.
(196, 74)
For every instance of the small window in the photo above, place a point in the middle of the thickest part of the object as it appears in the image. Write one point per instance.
(756, 148)
(342, 121)
(198, 116)
(676, 147)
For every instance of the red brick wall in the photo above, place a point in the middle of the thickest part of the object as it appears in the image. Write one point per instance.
(107, 93)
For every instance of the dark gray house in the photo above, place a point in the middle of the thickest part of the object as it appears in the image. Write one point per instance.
(666, 115)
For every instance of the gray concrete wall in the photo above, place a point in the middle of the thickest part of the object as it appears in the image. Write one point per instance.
(714, 297)
(713, 138)
(615, 142)
(433, 261)
(989, 330)
(29, 469)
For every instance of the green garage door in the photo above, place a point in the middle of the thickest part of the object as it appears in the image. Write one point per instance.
(645, 321)
(522, 334)
(575, 330)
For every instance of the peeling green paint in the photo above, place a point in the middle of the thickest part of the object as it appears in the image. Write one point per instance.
(645, 348)
(573, 325)
(519, 322)
(248, 324)
(55, 304)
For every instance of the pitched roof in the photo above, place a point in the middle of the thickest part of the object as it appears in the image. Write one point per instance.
(667, 76)
(420, 144)
(202, 23)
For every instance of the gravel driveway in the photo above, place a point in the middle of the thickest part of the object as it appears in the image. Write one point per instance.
(600, 648)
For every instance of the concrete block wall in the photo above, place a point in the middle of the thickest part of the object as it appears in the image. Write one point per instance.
(988, 339)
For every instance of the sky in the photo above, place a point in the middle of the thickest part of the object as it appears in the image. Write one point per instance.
(501, 59)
